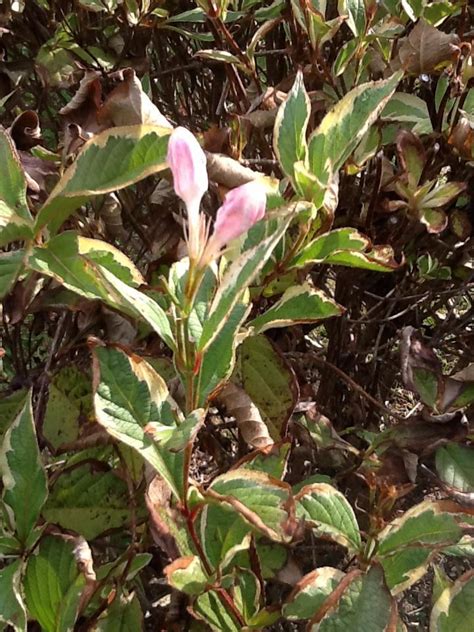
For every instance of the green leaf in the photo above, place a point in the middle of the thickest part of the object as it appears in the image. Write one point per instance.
(405, 567)
(209, 608)
(326, 510)
(88, 501)
(310, 593)
(110, 161)
(24, 480)
(70, 395)
(69, 255)
(53, 585)
(219, 358)
(12, 226)
(124, 615)
(132, 403)
(222, 534)
(345, 56)
(379, 259)
(237, 279)
(269, 382)
(272, 460)
(355, 10)
(453, 610)
(187, 575)
(11, 264)
(426, 383)
(13, 181)
(325, 245)
(289, 134)
(423, 524)
(262, 501)
(442, 195)
(9, 408)
(299, 304)
(247, 593)
(220, 55)
(455, 466)
(365, 604)
(92, 269)
(408, 108)
(15, 219)
(343, 127)
(12, 609)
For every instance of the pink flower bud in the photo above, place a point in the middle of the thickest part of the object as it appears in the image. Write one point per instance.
(242, 208)
(187, 162)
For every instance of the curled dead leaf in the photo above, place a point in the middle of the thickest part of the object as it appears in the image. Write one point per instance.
(247, 416)
(25, 130)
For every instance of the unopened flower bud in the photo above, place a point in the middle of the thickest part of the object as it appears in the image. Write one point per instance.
(187, 162)
(242, 208)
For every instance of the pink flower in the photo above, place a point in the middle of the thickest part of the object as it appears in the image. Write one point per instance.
(242, 208)
(187, 162)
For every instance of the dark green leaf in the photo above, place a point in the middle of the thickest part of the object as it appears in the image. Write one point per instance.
(24, 480)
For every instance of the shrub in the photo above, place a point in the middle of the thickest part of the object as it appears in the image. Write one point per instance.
(237, 311)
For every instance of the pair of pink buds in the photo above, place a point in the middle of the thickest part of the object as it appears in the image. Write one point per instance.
(241, 209)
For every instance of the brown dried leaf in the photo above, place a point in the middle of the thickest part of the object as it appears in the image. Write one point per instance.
(84, 106)
(128, 104)
(158, 502)
(411, 155)
(247, 416)
(462, 137)
(38, 172)
(426, 49)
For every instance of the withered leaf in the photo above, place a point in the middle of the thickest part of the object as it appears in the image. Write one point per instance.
(128, 104)
(247, 416)
(25, 130)
(426, 49)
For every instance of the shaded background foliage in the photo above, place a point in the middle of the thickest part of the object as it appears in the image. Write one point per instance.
(349, 367)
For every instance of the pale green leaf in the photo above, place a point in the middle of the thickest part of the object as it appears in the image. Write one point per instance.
(269, 382)
(299, 304)
(455, 466)
(222, 534)
(335, 241)
(88, 501)
(236, 280)
(343, 127)
(310, 593)
(365, 604)
(423, 524)
(132, 403)
(453, 609)
(11, 264)
(124, 615)
(13, 181)
(187, 575)
(289, 135)
(327, 511)
(403, 568)
(209, 608)
(356, 18)
(262, 501)
(111, 160)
